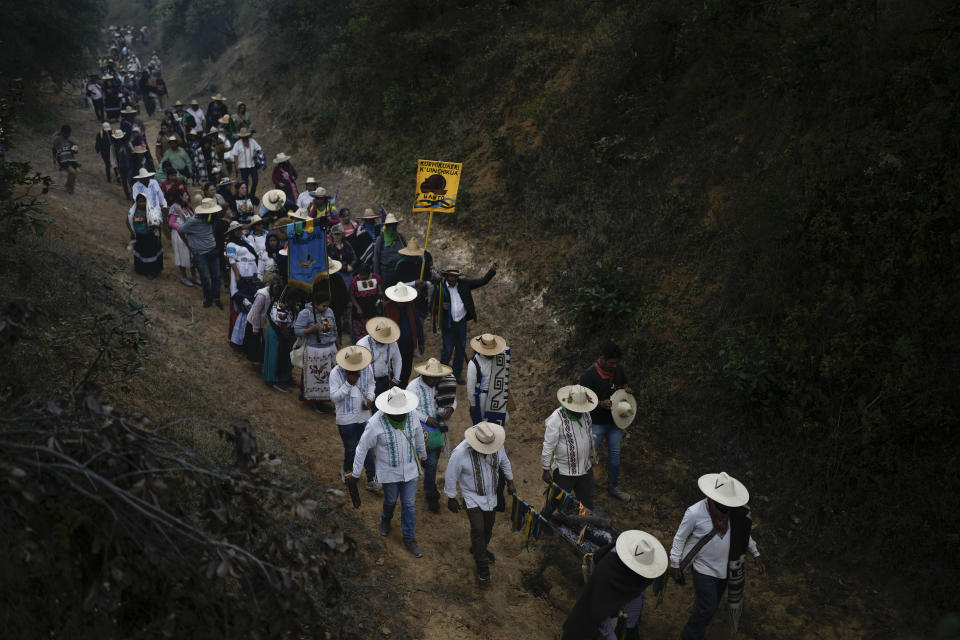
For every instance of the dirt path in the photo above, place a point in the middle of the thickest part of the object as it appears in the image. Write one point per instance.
(195, 372)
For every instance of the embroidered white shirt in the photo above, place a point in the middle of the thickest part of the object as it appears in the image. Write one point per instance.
(567, 444)
(386, 358)
(712, 559)
(348, 398)
(476, 475)
(393, 449)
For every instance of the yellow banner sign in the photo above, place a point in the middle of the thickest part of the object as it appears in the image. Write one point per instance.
(437, 184)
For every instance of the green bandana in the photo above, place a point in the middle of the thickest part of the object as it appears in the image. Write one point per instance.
(394, 423)
(389, 236)
(572, 415)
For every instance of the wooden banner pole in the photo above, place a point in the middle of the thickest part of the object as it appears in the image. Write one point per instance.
(426, 242)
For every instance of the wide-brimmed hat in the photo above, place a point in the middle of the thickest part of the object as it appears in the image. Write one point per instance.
(224, 181)
(178, 103)
(392, 219)
(413, 248)
(319, 192)
(208, 205)
(333, 266)
(255, 220)
(281, 157)
(642, 553)
(724, 489)
(401, 293)
(623, 406)
(396, 401)
(224, 119)
(219, 97)
(369, 214)
(143, 173)
(194, 103)
(577, 398)
(274, 199)
(214, 129)
(488, 344)
(106, 126)
(128, 110)
(118, 134)
(301, 214)
(234, 226)
(485, 437)
(354, 358)
(451, 271)
(433, 368)
(383, 330)
(173, 139)
(243, 133)
(139, 149)
(311, 181)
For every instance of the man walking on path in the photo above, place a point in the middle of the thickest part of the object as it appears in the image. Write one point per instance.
(351, 391)
(397, 444)
(433, 421)
(452, 307)
(104, 146)
(64, 155)
(488, 383)
(475, 465)
(198, 234)
(178, 158)
(713, 539)
(568, 443)
(604, 377)
(381, 340)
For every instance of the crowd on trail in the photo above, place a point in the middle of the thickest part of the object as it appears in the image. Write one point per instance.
(353, 344)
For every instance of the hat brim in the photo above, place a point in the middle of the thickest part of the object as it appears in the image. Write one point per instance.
(708, 485)
(627, 547)
(499, 437)
(618, 396)
(365, 360)
(269, 195)
(411, 402)
(407, 251)
(204, 211)
(421, 368)
(394, 294)
(394, 330)
(590, 405)
(498, 347)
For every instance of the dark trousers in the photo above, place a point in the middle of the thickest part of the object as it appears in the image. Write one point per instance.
(380, 385)
(208, 264)
(455, 344)
(430, 474)
(98, 109)
(251, 178)
(481, 529)
(350, 434)
(708, 591)
(406, 362)
(124, 181)
(106, 166)
(580, 486)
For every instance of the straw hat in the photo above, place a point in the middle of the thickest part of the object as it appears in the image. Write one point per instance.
(243, 133)
(642, 553)
(172, 139)
(118, 134)
(577, 398)
(208, 205)
(139, 149)
(310, 181)
(319, 192)
(391, 219)
(452, 271)
(178, 104)
(724, 489)
(127, 110)
(143, 173)
(224, 181)
(413, 248)
(401, 293)
(234, 226)
(106, 126)
(333, 266)
(255, 220)
(354, 358)
(218, 97)
(281, 157)
(485, 437)
(369, 214)
(274, 199)
(194, 103)
(214, 129)
(623, 406)
(383, 330)
(488, 344)
(300, 214)
(396, 401)
(433, 368)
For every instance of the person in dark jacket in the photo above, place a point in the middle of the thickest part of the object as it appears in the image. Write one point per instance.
(604, 377)
(104, 146)
(121, 153)
(452, 307)
(622, 572)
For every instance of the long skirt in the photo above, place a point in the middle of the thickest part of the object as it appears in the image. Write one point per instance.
(276, 356)
(181, 253)
(317, 364)
(147, 254)
(253, 344)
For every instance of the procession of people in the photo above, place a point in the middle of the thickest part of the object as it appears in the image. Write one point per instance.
(354, 346)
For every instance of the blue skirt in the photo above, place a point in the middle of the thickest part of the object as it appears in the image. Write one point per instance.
(276, 357)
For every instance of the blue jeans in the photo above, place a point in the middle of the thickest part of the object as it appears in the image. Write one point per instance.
(430, 475)
(350, 434)
(708, 591)
(208, 264)
(614, 436)
(407, 492)
(455, 344)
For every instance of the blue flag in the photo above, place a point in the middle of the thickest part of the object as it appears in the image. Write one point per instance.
(307, 255)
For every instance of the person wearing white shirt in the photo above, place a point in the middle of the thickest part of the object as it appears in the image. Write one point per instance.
(244, 154)
(425, 388)
(475, 465)
(198, 115)
(568, 443)
(397, 443)
(381, 340)
(452, 306)
(351, 391)
(713, 539)
(145, 184)
(305, 199)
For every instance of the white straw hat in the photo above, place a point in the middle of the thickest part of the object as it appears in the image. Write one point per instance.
(485, 437)
(383, 330)
(642, 553)
(577, 398)
(301, 214)
(433, 368)
(413, 248)
(488, 344)
(333, 266)
(724, 489)
(396, 401)
(623, 406)
(390, 219)
(274, 199)
(234, 226)
(143, 173)
(354, 358)
(401, 293)
(208, 205)
(281, 157)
